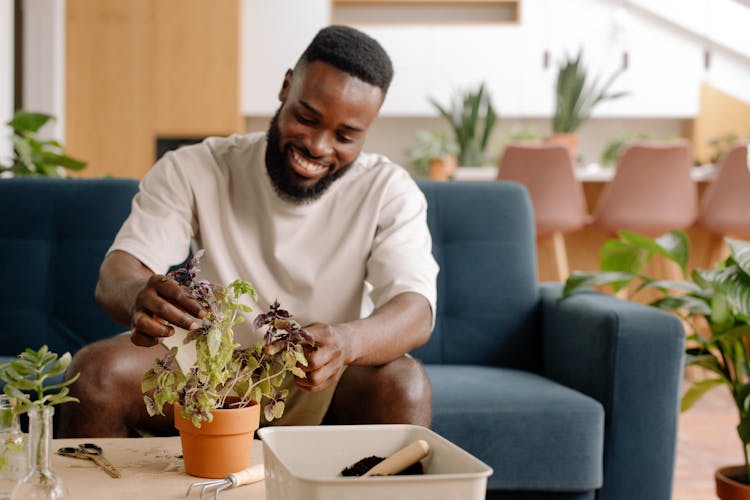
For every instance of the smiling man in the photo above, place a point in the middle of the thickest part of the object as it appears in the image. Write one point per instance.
(338, 236)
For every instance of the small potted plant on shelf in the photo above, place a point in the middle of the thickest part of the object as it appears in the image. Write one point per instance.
(575, 99)
(35, 156)
(27, 383)
(472, 118)
(217, 401)
(715, 308)
(434, 156)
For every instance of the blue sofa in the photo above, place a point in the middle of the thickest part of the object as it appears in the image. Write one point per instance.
(573, 398)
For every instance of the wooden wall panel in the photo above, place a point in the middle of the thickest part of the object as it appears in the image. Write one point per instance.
(720, 114)
(197, 66)
(136, 69)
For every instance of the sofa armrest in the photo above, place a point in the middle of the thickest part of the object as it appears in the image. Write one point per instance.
(630, 357)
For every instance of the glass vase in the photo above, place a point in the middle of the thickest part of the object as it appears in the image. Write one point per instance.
(13, 464)
(40, 482)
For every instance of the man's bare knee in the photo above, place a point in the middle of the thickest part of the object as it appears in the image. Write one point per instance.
(398, 392)
(108, 388)
(405, 381)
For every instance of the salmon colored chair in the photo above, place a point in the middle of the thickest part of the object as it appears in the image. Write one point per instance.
(725, 205)
(652, 191)
(546, 170)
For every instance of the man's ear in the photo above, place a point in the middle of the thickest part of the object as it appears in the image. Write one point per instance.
(286, 85)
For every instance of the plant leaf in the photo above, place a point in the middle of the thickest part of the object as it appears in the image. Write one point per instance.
(740, 253)
(731, 281)
(27, 121)
(580, 279)
(691, 304)
(617, 255)
(697, 390)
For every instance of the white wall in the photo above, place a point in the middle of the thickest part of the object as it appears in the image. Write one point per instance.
(273, 35)
(44, 62)
(395, 136)
(6, 78)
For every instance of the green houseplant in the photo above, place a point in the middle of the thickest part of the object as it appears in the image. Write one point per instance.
(225, 380)
(434, 155)
(472, 118)
(34, 156)
(714, 305)
(27, 383)
(575, 97)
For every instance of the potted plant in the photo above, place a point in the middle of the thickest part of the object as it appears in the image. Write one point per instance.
(472, 118)
(714, 305)
(575, 99)
(34, 156)
(27, 383)
(217, 400)
(434, 156)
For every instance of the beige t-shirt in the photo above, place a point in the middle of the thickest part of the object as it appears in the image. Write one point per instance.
(364, 241)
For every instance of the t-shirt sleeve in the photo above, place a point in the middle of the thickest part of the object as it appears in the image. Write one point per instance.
(401, 258)
(161, 223)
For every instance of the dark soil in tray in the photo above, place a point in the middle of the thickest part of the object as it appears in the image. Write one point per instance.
(368, 463)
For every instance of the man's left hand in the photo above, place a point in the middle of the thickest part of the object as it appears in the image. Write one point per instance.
(326, 360)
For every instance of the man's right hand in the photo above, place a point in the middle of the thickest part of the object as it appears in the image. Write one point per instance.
(162, 302)
(133, 295)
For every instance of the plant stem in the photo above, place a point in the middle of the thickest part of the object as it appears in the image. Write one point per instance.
(269, 377)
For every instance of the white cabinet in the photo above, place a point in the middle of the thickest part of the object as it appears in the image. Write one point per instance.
(663, 75)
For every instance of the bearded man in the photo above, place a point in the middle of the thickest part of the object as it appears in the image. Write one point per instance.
(338, 236)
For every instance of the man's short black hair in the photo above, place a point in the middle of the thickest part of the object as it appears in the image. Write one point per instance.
(353, 52)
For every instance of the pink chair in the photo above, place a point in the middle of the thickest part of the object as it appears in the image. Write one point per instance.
(556, 195)
(652, 191)
(725, 205)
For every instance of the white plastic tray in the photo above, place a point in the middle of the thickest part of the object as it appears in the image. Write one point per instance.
(305, 463)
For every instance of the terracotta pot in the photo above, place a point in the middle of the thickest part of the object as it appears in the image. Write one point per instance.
(729, 485)
(570, 140)
(442, 168)
(221, 446)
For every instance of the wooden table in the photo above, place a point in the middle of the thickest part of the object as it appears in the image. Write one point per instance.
(150, 468)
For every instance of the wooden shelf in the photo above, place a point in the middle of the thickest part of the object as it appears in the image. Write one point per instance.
(399, 12)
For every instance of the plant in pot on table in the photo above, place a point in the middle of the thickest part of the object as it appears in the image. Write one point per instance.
(217, 400)
(575, 99)
(434, 156)
(27, 384)
(715, 308)
(472, 118)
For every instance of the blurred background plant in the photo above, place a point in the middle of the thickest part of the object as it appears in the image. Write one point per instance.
(616, 146)
(525, 132)
(430, 145)
(472, 118)
(574, 98)
(33, 155)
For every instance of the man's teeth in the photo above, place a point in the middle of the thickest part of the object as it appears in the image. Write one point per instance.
(307, 165)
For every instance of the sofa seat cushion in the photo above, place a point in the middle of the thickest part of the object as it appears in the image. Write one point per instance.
(535, 433)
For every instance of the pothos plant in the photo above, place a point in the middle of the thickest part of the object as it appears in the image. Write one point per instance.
(33, 155)
(226, 375)
(714, 305)
(27, 386)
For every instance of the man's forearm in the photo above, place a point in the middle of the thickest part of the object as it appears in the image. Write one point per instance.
(398, 326)
(121, 277)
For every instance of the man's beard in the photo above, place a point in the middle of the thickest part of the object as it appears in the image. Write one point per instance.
(284, 180)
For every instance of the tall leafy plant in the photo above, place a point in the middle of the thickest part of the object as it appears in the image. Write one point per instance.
(472, 118)
(575, 97)
(714, 304)
(35, 156)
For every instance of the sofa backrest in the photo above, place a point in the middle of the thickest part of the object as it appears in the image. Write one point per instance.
(483, 239)
(53, 237)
